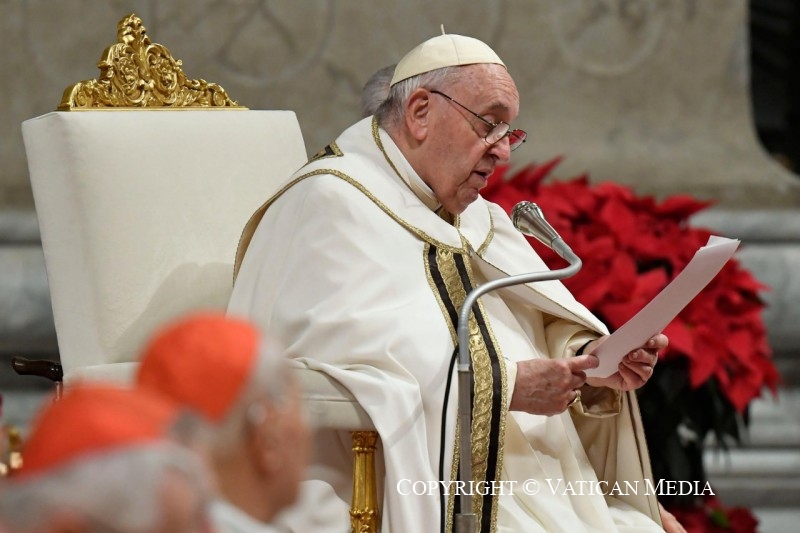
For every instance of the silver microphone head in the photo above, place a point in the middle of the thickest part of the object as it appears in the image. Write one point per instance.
(529, 219)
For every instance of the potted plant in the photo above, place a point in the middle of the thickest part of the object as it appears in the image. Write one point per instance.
(718, 359)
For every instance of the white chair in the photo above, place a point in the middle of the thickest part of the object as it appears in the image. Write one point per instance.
(142, 182)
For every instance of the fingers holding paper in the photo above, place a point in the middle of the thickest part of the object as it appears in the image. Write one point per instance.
(549, 386)
(635, 369)
(637, 366)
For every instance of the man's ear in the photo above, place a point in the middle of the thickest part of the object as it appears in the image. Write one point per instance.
(264, 445)
(418, 113)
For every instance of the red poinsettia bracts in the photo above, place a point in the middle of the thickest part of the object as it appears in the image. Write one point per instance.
(632, 247)
(711, 516)
(718, 358)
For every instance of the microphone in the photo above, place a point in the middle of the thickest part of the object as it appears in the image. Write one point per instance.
(528, 218)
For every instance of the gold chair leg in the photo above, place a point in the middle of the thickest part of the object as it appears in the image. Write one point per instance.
(364, 512)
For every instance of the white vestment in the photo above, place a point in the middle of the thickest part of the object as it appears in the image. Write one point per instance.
(360, 279)
(227, 518)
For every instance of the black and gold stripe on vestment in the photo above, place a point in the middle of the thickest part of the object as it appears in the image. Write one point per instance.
(450, 276)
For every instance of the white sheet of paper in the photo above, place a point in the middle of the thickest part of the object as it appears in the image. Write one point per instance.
(660, 311)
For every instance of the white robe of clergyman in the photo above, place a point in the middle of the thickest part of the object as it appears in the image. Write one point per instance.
(354, 271)
(227, 518)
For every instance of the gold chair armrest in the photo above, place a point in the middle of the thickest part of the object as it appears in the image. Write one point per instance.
(331, 405)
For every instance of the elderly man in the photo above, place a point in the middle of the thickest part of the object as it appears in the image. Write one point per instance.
(104, 459)
(235, 377)
(361, 262)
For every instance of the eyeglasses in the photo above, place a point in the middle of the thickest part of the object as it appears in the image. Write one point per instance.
(497, 130)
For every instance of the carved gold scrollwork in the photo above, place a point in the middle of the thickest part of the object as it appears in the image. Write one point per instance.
(138, 73)
(364, 512)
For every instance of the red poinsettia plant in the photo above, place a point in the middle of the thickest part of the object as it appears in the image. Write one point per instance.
(632, 246)
(711, 516)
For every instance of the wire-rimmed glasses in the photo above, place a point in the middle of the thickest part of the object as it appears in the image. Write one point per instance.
(497, 130)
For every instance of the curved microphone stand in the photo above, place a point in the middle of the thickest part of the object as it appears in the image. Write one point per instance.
(529, 220)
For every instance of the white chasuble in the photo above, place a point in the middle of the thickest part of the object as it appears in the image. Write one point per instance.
(360, 279)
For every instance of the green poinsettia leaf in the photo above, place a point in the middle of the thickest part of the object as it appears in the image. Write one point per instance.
(719, 518)
(672, 380)
(725, 420)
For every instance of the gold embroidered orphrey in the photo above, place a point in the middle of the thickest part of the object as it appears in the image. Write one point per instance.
(140, 74)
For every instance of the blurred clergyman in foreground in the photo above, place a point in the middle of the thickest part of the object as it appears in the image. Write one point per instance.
(105, 459)
(236, 378)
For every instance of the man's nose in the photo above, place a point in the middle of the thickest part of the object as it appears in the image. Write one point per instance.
(501, 150)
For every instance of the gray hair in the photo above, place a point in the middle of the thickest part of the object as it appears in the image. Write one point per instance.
(391, 111)
(376, 90)
(119, 490)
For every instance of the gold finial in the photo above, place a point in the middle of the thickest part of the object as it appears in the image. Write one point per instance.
(138, 73)
(10, 449)
(14, 448)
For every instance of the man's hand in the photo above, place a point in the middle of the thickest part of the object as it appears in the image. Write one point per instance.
(548, 386)
(635, 368)
(668, 520)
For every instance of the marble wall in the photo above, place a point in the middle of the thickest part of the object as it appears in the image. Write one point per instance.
(652, 93)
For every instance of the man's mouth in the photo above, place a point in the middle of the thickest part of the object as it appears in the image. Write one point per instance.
(483, 174)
